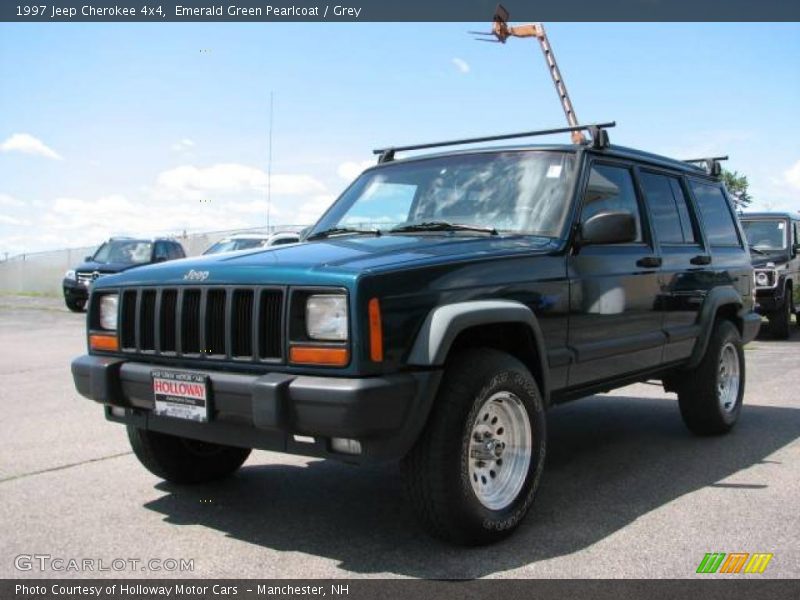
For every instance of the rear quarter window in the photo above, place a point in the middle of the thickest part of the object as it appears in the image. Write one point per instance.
(718, 220)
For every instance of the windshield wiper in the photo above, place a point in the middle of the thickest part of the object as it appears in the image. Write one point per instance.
(442, 226)
(326, 233)
(752, 247)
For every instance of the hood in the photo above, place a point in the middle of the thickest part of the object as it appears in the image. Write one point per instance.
(91, 266)
(778, 258)
(334, 261)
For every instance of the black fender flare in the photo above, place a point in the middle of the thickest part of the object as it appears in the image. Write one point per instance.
(444, 323)
(714, 301)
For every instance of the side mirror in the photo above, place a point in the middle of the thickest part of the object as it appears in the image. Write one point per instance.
(87, 258)
(796, 249)
(609, 227)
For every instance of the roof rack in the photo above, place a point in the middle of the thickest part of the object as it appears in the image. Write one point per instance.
(710, 164)
(597, 131)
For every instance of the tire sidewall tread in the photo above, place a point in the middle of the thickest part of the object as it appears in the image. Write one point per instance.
(436, 470)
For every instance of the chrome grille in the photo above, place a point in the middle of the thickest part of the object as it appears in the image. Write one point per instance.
(215, 323)
(87, 277)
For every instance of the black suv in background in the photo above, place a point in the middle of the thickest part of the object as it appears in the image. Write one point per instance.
(774, 245)
(435, 313)
(115, 255)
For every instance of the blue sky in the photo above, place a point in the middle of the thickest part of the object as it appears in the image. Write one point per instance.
(158, 128)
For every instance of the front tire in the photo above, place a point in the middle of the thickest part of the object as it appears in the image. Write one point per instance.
(473, 474)
(74, 304)
(710, 395)
(182, 460)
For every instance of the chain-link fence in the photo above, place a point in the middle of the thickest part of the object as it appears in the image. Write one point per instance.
(42, 272)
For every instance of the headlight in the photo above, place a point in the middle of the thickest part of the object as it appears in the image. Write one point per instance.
(763, 279)
(108, 311)
(69, 274)
(326, 317)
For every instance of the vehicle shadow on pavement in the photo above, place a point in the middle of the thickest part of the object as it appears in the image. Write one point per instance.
(611, 459)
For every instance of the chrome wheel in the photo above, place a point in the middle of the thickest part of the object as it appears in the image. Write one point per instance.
(728, 378)
(500, 450)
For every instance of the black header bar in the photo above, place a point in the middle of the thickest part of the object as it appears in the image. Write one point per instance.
(165, 11)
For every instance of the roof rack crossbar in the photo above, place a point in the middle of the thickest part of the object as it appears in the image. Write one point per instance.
(702, 160)
(387, 154)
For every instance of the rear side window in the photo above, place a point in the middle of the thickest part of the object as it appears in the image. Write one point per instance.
(717, 217)
(668, 208)
(611, 189)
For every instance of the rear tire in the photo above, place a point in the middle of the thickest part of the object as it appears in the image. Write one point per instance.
(181, 460)
(474, 472)
(75, 305)
(710, 395)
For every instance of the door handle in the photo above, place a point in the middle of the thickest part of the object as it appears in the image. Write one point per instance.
(701, 259)
(649, 262)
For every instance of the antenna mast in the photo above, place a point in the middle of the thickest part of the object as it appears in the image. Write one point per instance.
(269, 164)
(501, 30)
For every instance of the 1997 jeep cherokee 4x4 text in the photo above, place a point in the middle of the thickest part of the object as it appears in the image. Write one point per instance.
(436, 311)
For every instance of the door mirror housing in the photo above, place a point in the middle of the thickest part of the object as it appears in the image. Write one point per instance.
(609, 227)
(87, 258)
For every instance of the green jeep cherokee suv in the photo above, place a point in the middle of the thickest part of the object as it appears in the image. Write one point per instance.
(434, 314)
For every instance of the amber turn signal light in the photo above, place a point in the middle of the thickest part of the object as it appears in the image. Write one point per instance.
(315, 355)
(108, 343)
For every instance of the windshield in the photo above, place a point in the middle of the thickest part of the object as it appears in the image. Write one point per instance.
(512, 192)
(766, 234)
(129, 252)
(233, 245)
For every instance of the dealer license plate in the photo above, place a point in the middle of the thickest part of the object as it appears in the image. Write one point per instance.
(181, 395)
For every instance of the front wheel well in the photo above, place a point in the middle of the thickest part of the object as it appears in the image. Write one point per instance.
(514, 338)
(729, 312)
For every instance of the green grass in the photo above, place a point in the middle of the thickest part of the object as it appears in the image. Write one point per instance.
(31, 294)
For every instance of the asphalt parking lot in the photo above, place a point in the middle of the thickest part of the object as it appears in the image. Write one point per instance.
(628, 492)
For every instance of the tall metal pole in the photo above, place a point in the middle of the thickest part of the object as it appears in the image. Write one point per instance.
(269, 164)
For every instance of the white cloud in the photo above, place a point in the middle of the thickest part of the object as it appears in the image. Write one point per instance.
(352, 169)
(6, 201)
(792, 176)
(183, 145)
(6, 220)
(461, 65)
(27, 144)
(188, 181)
(188, 198)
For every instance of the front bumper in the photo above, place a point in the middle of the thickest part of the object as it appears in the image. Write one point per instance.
(769, 300)
(385, 414)
(74, 290)
(751, 323)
